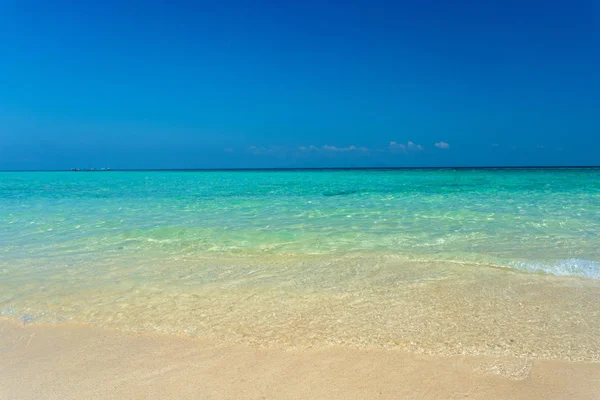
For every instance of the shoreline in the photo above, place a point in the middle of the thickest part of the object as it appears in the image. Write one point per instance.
(439, 309)
(80, 361)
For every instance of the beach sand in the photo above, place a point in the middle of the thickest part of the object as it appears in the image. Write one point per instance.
(67, 361)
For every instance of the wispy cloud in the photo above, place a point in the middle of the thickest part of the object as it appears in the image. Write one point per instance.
(308, 148)
(413, 146)
(397, 146)
(442, 145)
(401, 147)
(392, 147)
(256, 150)
(329, 148)
(261, 150)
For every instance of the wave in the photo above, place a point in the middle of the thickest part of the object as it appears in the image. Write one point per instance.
(569, 267)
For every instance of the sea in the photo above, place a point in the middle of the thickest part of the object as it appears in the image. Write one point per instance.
(501, 262)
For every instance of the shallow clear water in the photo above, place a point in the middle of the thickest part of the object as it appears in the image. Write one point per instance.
(370, 258)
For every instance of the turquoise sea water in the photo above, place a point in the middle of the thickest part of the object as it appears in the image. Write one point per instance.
(310, 257)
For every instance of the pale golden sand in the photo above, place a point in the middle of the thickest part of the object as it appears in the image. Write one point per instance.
(80, 362)
(354, 301)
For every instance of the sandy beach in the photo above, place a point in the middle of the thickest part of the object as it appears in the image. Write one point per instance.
(299, 200)
(69, 361)
(432, 284)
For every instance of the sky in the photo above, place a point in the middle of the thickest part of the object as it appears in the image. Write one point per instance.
(273, 84)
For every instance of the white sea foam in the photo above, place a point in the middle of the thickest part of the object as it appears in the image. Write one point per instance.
(569, 267)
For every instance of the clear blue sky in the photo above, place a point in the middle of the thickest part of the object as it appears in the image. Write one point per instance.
(298, 84)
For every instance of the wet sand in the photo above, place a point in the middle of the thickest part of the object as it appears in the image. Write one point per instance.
(68, 361)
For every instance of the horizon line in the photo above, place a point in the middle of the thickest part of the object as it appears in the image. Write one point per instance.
(303, 168)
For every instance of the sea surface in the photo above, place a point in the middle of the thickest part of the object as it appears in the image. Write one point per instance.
(434, 261)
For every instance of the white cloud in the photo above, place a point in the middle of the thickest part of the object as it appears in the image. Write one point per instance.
(344, 149)
(256, 150)
(260, 150)
(409, 146)
(442, 145)
(413, 146)
(397, 147)
(308, 148)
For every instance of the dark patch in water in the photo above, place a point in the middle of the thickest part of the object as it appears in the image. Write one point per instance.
(340, 193)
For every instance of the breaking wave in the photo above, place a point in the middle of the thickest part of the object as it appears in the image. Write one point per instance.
(569, 267)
